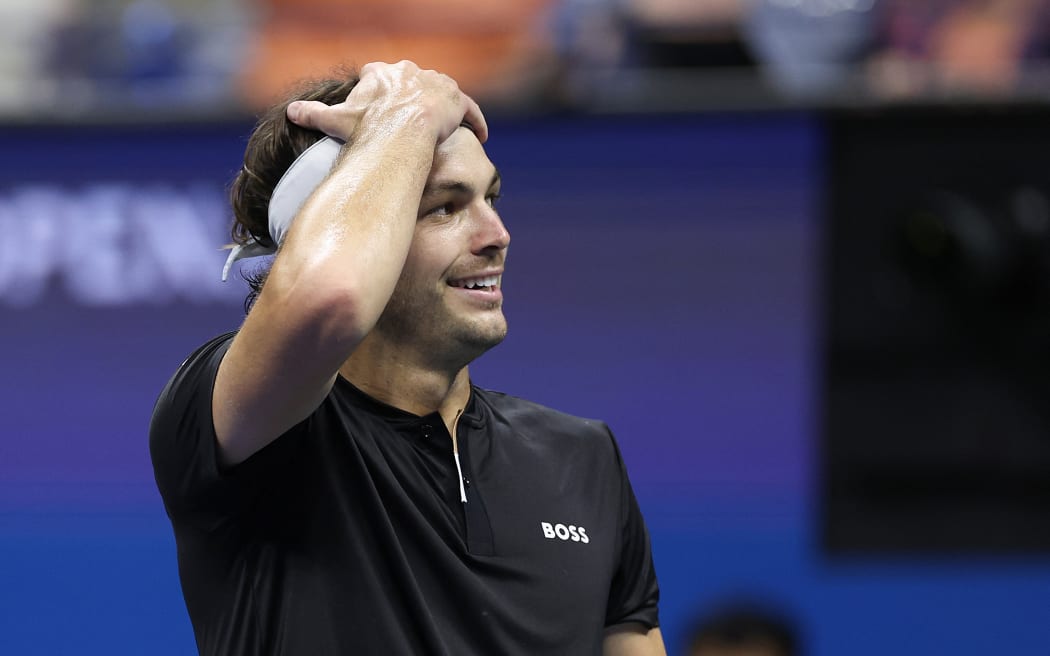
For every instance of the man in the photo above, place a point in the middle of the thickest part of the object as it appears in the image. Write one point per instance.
(336, 483)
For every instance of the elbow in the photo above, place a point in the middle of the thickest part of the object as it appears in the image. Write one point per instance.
(343, 314)
(328, 309)
(339, 314)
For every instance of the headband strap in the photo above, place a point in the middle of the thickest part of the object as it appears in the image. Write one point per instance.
(305, 174)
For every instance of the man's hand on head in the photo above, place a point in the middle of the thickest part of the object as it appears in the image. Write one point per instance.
(395, 90)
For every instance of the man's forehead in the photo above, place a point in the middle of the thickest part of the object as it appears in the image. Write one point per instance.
(461, 157)
(463, 140)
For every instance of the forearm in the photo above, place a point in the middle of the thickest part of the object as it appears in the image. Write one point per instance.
(342, 255)
(328, 284)
(345, 251)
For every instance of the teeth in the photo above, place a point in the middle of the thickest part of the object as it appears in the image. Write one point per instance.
(474, 283)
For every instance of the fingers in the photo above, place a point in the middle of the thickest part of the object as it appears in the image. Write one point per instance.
(448, 106)
(465, 111)
(454, 109)
(476, 120)
(406, 66)
(315, 115)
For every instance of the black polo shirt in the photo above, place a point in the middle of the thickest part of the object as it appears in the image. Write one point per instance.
(347, 534)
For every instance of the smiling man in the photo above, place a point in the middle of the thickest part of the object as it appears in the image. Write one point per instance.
(336, 482)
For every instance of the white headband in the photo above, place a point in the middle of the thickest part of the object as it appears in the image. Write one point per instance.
(304, 175)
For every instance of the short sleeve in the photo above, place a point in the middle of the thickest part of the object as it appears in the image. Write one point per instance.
(635, 594)
(194, 486)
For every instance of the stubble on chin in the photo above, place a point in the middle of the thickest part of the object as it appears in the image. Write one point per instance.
(434, 328)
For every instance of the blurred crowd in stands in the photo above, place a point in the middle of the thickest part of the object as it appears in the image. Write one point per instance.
(64, 56)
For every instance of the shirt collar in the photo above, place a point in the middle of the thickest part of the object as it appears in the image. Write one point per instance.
(397, 417)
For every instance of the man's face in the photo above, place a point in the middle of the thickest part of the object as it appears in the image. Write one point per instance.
(448, 303)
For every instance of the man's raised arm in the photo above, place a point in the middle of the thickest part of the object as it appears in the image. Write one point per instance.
(336, 270)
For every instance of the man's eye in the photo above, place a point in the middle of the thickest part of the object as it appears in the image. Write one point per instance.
(492, 199)
(443, 210)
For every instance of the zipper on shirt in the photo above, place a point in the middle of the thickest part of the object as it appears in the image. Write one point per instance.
(479, 528)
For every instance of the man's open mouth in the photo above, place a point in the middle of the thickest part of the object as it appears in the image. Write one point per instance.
(486, 283)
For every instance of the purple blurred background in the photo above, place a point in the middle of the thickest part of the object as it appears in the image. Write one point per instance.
(664, 276)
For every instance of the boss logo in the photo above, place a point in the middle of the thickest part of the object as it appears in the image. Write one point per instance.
(563, 532)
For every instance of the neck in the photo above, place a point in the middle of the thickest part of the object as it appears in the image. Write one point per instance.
(390, 374)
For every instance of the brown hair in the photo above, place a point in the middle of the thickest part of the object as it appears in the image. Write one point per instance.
(272, 147)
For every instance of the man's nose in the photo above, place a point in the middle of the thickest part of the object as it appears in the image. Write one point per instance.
(491, 233)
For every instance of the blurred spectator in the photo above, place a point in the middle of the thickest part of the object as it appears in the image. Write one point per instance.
(114, 43)
(810, 47)
(24, 26)
(597, 40)
(743, 629)
(687, 33)
(591, 46)
(970, 46)
(172, 54)
(183, 55)
(493, 49)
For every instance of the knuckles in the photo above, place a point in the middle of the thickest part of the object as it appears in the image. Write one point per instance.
(436, 95)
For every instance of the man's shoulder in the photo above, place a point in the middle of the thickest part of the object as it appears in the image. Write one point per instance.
(217, 343)
(518, 411)
(195, 372)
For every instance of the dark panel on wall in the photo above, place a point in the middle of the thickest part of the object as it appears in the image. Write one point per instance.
(937, 335)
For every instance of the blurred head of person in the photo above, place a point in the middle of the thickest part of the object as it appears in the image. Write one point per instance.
(743, 629)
